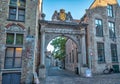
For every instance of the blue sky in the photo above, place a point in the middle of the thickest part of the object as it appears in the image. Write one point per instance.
(76, 7)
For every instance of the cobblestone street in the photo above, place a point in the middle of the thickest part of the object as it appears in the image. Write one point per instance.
(59, 76)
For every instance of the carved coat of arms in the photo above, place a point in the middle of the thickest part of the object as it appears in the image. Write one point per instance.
(62, 15)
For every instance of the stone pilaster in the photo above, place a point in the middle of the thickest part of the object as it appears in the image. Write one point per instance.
(79, 62)
(79, 56)
(42, 48)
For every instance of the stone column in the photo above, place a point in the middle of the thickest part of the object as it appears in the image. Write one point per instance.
(82, 52)
(83, 49)
(42, 48)
(79, 55)
(42, 68)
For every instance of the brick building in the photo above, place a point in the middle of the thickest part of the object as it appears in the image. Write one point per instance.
(102, 39)
(102, 36)
(18, 27)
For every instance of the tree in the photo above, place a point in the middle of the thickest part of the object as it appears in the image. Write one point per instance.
(59, 47)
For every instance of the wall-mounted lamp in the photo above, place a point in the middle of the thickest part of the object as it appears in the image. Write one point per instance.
(29, 37)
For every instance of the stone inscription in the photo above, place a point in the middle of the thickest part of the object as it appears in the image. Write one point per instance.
(63, 31)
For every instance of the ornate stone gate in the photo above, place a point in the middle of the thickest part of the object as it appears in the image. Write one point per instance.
(73, 30)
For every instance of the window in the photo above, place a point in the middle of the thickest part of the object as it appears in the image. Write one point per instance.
(18, 3)
(101, 54)
(99, 27)
(11, 78)
(10, 38)
(14, 44)
(21, 14)
(13, 58)
(76, 56)
(17, 10)
(110, 10)
(111, 26)
(14, 39)
(66, 58)
(114, 53)
(12, 13)
(13, 2)
(19, 39)
(72, 56)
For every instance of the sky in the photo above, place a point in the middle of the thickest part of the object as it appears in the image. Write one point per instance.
(76, 7)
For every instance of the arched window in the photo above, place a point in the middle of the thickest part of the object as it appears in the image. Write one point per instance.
(14, 35)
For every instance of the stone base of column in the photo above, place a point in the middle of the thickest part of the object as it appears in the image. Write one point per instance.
(29, 78)
(42, 72)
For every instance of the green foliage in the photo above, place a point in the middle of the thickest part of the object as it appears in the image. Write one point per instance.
(59, 47)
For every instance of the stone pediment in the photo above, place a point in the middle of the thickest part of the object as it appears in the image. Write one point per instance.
(14, 28)
(62, 16)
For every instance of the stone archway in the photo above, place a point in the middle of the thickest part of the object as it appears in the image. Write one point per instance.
(50, 36)
(75, 31)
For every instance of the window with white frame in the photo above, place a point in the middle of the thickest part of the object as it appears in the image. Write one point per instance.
(110, 10)
(17, 10)
(111, 26)
(99, 27)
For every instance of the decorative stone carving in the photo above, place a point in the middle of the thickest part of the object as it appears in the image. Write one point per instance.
(55, 16)
(62, 16)
(15, 28)
(69, 17)
(43, 16)
(62, 31)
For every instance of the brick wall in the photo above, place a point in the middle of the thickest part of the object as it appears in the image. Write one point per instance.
(71, 56)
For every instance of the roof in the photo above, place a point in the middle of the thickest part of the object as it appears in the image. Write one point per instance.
(76, 20)
(102, 3)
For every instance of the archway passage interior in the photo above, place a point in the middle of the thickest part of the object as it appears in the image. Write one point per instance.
(62, 53)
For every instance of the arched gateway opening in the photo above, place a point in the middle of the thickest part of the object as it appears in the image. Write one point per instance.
(67, 28)
(62, 53)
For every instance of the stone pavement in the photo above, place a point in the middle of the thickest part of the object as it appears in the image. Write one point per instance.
(58, 76)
